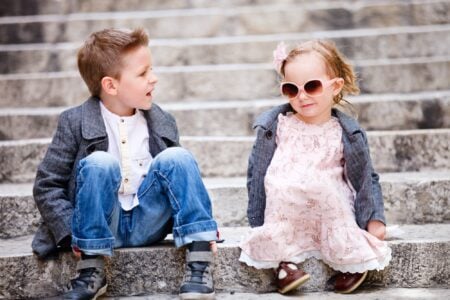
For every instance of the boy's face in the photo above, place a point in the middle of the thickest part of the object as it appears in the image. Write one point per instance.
(137, 82)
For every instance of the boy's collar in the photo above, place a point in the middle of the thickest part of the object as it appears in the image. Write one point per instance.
(92, 125)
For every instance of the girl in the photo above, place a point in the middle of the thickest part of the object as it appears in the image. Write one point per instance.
(312, 189)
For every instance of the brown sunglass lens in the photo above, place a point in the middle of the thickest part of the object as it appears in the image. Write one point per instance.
(289, 90)
(313, 87)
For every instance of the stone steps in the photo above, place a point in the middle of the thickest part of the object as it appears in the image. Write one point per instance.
(218, 21)
(409, 198)
(375, 112)
(213, 82)
(391, 151)
(358, 44)
(417, 252)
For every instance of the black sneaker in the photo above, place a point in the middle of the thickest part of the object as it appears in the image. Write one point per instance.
(90, 282)
(198, 281)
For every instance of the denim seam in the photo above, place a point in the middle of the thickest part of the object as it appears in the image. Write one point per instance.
(178, 220)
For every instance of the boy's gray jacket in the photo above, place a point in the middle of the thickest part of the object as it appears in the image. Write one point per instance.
(80, 132)
(368, 203)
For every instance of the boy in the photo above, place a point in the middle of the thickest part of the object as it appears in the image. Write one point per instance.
(115, 176)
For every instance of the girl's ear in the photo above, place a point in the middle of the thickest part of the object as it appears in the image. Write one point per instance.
(109, 85)
(337, 86)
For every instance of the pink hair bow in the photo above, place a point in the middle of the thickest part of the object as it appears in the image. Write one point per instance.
(279, 55)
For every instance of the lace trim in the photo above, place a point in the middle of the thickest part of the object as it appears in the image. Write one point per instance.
(373, 264)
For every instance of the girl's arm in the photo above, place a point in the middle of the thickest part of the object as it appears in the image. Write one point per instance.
(376, 225)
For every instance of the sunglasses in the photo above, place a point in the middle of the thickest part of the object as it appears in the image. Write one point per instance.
(312, 88)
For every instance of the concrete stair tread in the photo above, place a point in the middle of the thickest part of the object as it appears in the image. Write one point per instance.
(25, 189)
(240, 20)
(249, 81)
(221, 40)
(203, 11)
(252, 103)
(21, 246)
(357, 44)
(391, 151)
(416, 262)
(234, 67)
(409, 198)
(362, 293)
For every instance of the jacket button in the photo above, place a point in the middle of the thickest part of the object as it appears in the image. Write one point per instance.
(269, 134)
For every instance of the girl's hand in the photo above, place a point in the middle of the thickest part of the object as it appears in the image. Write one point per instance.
(377, 229)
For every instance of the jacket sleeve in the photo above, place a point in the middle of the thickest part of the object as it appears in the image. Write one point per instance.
(50, 189)
(256, 203)
(377, 195)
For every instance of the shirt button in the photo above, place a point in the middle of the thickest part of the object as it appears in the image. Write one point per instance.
(125, 180)
(124, 141)
(144, 176)
(122, 120)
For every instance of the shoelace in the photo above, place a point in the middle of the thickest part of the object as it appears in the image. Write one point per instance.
(84, 279)
(196, 272)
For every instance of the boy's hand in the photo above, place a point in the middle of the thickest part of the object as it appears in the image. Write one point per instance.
(377, 229)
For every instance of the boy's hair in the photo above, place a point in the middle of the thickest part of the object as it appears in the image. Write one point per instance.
(101, 54)
(335, 63)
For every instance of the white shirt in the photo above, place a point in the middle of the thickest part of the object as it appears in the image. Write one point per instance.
(128, 142)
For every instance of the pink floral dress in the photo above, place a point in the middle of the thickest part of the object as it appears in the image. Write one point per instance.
(309, 205)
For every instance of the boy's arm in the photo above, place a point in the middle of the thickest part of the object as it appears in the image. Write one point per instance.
(51, 185)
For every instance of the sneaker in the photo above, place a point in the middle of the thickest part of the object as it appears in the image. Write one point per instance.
(198, 282)
(347, 282)
(90, 282)
(289, 277)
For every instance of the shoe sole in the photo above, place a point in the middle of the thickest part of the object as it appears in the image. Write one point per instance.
(197, 296)
(100, 292)
(295, 284)
(355, 286)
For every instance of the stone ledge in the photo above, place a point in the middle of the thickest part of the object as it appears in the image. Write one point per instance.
(249, 81)
(378, 112)
(218, 21)
(409, 198)
(417, 263)
(391, 151)
(418, 41)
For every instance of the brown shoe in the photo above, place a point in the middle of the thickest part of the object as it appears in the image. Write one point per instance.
(348, 282)
(289, 277)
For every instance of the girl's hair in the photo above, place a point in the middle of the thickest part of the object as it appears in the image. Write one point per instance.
(101, 54)
(335, 63)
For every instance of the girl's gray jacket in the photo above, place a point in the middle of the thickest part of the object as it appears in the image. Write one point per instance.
(80, 132)
(368, 202)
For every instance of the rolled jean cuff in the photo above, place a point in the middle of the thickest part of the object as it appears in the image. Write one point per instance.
(94, 246)
(200, 231)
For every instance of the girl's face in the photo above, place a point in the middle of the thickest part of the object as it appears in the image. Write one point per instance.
(312, 109)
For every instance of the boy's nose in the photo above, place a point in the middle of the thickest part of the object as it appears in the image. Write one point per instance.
(152, 79)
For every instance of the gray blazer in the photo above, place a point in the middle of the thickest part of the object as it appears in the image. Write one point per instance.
(80, 132)
(369, 201)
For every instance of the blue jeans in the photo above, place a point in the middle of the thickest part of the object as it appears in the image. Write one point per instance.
(172, 197)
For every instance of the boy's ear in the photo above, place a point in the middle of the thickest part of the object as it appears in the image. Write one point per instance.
(337, 86)
(109, 85)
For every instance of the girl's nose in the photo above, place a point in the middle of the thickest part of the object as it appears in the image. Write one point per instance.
(302, 95)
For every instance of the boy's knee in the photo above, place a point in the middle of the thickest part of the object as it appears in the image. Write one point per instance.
(174, 155)
(102, 161)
